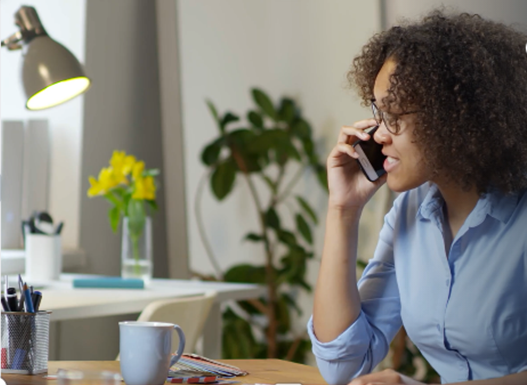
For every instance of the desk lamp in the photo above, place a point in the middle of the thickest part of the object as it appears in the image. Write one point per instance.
(51, 74)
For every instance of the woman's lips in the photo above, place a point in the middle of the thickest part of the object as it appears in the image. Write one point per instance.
(390, 163)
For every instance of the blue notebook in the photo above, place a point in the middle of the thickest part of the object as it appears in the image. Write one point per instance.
(110, 283)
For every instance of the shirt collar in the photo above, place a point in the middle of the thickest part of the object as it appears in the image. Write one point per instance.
(432, 202)
(501, 206)
(498, 205)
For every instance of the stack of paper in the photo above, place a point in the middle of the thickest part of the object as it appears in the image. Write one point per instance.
(192, 368)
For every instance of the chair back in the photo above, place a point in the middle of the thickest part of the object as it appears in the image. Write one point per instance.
(190, 313)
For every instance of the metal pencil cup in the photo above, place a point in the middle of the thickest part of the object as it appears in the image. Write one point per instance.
(25, 342)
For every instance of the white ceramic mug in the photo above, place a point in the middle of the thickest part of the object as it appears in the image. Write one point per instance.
(146, 350)
(43, 257)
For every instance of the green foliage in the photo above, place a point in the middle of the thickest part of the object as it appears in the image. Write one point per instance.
(223, 178)
(274, 137)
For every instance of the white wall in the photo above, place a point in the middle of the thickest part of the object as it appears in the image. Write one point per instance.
(298, 48)
(65, 22)
(506, 11)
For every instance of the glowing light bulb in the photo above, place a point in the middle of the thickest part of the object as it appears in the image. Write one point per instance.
(58, 93)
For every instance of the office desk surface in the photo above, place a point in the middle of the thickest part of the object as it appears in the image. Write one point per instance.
(260, 372)
(67, 303)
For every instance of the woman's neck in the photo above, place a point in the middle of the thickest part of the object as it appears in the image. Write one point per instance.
(458, 204)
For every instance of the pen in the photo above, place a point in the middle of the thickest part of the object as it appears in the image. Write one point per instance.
(29, 302)
(36, 297)
(6, 284)
(22, 296)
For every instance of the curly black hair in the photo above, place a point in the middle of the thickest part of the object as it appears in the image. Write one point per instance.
(467, 77)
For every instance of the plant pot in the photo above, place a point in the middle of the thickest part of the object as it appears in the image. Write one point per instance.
(136, 251)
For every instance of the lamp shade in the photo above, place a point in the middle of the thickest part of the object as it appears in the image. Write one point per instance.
(51, 74)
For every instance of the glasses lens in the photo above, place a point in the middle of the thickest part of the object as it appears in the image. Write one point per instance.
(391, 122)
(376, 113)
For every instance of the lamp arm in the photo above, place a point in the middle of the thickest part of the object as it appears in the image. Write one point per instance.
(12, 42)
(26, 18)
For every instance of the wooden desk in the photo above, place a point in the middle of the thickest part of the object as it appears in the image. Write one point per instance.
(260, 372)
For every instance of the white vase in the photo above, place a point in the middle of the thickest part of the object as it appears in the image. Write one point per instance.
(136, 254)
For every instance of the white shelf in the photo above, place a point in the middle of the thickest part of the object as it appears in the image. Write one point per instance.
(13, 261)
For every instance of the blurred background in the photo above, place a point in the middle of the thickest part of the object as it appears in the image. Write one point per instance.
(153, 65)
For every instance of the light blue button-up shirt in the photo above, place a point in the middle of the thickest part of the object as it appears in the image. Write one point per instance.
(466, 310)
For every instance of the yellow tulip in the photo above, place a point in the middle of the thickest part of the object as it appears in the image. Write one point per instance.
(95, 188)
(122, 165)
(145, 188)
(108, 179)
(138, 169)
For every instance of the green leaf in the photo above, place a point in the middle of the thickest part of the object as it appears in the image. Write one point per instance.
(309, 148)
(126, 201)
(307, 208)
(282, 316)
(264, 102)
(256, 119)
(241, 143)
(293, 152)
(152, 204)
(303, 228)
(287, 237)
(301, 129)
(238, 338)
(240, 137)
(114, 215)
(287, 110)
(110, 197)
(249, 308)
(246, 273)
(215, 115)
(294, 267)
(222, 179)
(210, 154)
(282, 155)
(254, 237)
(228, 118)
(267, 140)
(322, 176)
(271, 219)
(136, 216)
(151, 172)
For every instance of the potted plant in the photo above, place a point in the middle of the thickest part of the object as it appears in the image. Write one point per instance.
(131, 191)
(271, 140)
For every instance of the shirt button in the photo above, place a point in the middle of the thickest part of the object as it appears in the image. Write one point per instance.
(447, 282)
(438, 327)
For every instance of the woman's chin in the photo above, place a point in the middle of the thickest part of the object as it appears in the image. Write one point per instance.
(400, 185)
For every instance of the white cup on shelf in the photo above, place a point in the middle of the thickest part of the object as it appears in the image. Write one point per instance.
(43, 257)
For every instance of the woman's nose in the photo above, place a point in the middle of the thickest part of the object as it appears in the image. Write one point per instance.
(381, 135)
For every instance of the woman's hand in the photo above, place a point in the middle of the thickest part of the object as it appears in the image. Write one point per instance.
(348, 187)
(387, 376)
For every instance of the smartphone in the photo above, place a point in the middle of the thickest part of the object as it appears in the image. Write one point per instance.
(371, 158)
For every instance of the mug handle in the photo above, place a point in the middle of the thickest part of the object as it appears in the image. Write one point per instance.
(181, 346)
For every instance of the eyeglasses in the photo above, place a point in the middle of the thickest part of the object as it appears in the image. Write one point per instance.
(391, 121)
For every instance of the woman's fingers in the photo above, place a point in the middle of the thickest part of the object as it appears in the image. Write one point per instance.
(347, 149)
(349, 133)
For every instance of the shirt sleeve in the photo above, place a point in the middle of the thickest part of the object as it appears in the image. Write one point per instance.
(366, 341)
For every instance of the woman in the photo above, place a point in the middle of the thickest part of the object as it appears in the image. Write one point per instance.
(450, 97)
